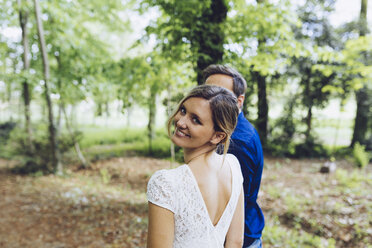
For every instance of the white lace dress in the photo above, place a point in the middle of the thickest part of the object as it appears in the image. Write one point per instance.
(178, 191)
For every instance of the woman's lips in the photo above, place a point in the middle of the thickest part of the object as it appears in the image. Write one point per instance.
(181, 134)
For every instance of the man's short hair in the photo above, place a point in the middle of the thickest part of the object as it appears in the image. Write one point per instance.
(239, 83)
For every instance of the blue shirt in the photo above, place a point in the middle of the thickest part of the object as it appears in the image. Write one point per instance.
(246, 146)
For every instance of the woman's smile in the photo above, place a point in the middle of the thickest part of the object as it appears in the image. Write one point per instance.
(181, 134)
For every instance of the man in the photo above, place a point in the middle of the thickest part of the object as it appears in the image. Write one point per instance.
(246, 146)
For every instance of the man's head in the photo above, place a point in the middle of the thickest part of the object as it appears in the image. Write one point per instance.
(228, 78)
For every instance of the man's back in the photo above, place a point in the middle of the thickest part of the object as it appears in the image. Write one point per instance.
(246, 146)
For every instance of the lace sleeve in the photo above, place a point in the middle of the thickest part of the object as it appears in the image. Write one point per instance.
(159, 190)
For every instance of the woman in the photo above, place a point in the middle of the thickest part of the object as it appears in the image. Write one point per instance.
(200, 203)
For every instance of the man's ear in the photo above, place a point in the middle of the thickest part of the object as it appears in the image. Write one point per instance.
(217, 137)
(240, 101)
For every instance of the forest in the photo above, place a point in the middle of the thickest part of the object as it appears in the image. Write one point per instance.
(86, 88)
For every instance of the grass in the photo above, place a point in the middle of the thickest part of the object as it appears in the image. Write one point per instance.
(102, 143)
(160, 149)
(277, 235)
(93, 136)
(355, 183)
(310, 209)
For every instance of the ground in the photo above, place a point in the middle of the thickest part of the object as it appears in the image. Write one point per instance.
(105, 205)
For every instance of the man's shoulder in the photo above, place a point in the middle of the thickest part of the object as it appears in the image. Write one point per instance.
(245, 140)
(244, 131)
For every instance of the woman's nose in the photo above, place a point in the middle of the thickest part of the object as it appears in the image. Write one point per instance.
(181, 122)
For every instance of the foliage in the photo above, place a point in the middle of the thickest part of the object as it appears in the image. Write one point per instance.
(106, 177)
(283, 131)
(5, 130)
(264, 46)
(316, 36)
(311, 148)
(262, 51)
(360, 156)
(292, 48)
(350, 182)
(190, 31)
(357, 58)
(40, 158)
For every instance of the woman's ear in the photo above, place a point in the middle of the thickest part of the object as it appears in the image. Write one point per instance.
(217, 137)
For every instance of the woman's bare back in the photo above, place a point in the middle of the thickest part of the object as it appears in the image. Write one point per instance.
(215, 184)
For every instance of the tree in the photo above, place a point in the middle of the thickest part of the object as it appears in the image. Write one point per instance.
(364, 94)
(191, 30)
(78, 56)
(352, 65)
(316, 36)
(142, 78)
(260, 48)
(23, 20)
(56, 163)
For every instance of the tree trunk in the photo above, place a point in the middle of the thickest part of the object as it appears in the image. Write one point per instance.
(107, 113)
(59, 117)
(150, 125)
(210, 33)
(263, 107)
(362, 95)
(309, 104)
(361, 118)
(169, 112)
(363, 18)
(308, 121)
(23, 19)
(56, 163)
(61, 98)
(129, 115)
(76, 143)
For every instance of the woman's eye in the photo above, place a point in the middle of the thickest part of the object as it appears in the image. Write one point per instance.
(183, 110)
(196, 120)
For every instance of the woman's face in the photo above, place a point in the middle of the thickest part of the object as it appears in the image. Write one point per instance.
(193, 124)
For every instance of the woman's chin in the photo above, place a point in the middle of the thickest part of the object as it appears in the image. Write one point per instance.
(178, 142)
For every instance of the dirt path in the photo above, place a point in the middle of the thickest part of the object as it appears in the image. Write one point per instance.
(75, 211)
(106, 205)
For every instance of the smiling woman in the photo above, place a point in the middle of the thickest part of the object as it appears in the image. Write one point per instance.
(206, 108)
(192, 125)
(200, 203)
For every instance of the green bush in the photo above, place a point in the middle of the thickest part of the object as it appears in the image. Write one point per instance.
(5, 130)
(105, 175)
(311, 148)
(40, 159)
(280, 142)
(360, 156)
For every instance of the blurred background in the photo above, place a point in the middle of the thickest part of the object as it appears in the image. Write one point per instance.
(86, 87)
